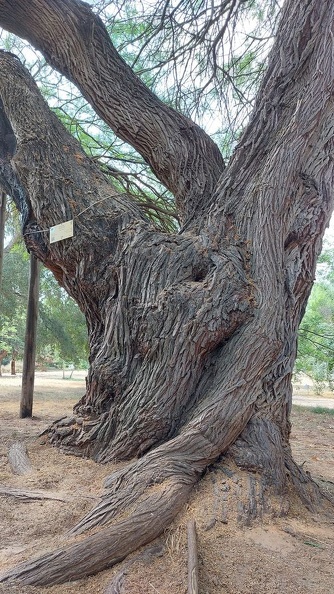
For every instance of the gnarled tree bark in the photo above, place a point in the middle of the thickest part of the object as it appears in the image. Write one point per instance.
(192, 335)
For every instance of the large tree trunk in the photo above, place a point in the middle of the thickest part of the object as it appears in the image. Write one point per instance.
(192, 335)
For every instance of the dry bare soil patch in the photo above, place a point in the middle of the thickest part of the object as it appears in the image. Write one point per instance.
(283, 554)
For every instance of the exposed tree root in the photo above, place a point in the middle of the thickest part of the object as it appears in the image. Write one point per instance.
(144, 497)
(127, 486)
(306, 488)
(117, 583)
(108, 546)
(260, 449)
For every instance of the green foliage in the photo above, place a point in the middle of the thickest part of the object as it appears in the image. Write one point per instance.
(316, 333)
(13, 299)
(326, 262)
(317, 410)
(61, 333)
(212, 54)
(321, 410)
(125, 168)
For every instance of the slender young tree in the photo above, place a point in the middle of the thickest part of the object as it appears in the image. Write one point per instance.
(29, 358)
(192, 334)
(2, 229)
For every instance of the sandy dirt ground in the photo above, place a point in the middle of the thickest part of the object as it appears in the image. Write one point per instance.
(286, 554)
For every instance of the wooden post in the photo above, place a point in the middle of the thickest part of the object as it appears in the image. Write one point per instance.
(192, 558)
(2, 228)
(13, 362)
(28, 372)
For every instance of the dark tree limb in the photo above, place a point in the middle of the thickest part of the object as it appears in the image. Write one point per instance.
(49, 162)
(75, 42)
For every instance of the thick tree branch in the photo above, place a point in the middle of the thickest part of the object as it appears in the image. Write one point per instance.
(281, 176)
(75, 41)
(13, 241)
(289, 139)
(52, 180)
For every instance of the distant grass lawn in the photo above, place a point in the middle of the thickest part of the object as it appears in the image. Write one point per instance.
(318, 410)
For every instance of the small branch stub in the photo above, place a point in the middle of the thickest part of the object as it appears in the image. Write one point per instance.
(18, 458)
(192, 558)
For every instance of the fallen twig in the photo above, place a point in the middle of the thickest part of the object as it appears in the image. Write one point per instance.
(192, 558)
(32, 495)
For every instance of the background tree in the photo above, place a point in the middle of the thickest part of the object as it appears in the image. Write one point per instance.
(14, 291)
(2, 229)
(192, 334)
(61, 331)
(29, 355)
(316, 333)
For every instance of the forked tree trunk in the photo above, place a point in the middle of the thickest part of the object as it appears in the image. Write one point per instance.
(192, 335)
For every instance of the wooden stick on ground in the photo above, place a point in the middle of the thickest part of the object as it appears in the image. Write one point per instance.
(32, 495)
(192, 558)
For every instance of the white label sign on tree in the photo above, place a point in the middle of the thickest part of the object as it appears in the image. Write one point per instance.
(61, 231)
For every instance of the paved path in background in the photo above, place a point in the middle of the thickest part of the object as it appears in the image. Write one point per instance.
(301, 396)
(306, 396)
(312, 400)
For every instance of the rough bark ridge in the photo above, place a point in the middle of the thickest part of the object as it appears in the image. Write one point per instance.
(192, 336)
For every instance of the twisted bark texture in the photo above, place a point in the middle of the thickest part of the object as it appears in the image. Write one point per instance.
(192, 335)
